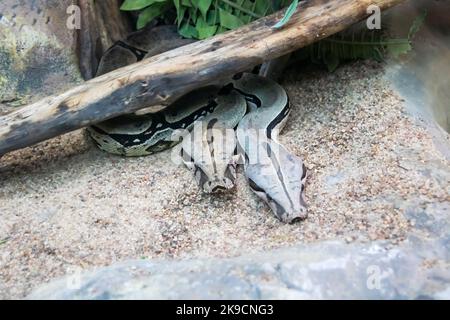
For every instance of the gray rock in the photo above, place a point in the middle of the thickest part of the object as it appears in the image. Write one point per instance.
(329, 270)
(36, 51)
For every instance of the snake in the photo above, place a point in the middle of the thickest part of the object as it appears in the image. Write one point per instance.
(219, 127)
(273, 173)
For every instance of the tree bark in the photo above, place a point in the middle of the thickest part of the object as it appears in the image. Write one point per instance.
(102, 24)
(162, 79)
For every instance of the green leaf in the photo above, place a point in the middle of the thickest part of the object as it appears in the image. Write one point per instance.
(418, 22)
(204, 30)
(262, 7)
(213, 17)
(229, 21)
(186, 3)
(378, 54)
(221, 30)
(289, 12)
(331, 61)
(203, 6)
(151, 13)
(278, 4)
(188, 31)
(180, 11)
(130, 5)
(193, 13)
(245, 10)
(395, 48)
(176, 3)
(247, 4)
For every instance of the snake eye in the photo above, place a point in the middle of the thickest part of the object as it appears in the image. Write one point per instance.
(254, 186)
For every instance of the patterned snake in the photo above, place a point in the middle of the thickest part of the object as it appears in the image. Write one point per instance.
(220, 127)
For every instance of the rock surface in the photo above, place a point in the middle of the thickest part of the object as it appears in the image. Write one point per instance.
(37, 55)
(330, 270)
(40, 54)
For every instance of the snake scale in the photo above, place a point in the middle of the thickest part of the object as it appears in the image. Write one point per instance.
(219, 128)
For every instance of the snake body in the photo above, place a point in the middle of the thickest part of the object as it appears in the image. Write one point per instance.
(142, 135)
(274, 174)
(256, 106)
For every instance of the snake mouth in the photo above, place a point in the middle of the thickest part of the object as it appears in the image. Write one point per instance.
(293, 217)
(218, 186)
(218, 189)
(297, 220)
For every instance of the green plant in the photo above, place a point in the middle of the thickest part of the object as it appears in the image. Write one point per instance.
(287, 16)
(360, 43)
(200, 19)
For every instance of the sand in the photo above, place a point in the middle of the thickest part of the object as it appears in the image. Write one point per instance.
(64, 204)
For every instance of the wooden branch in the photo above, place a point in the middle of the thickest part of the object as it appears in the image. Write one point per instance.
(162, 79)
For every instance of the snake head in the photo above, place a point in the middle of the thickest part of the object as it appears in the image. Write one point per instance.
(208, 151)
(278, 177)
(217, 183)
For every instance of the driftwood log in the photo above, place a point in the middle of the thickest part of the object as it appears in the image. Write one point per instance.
(162, 79)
